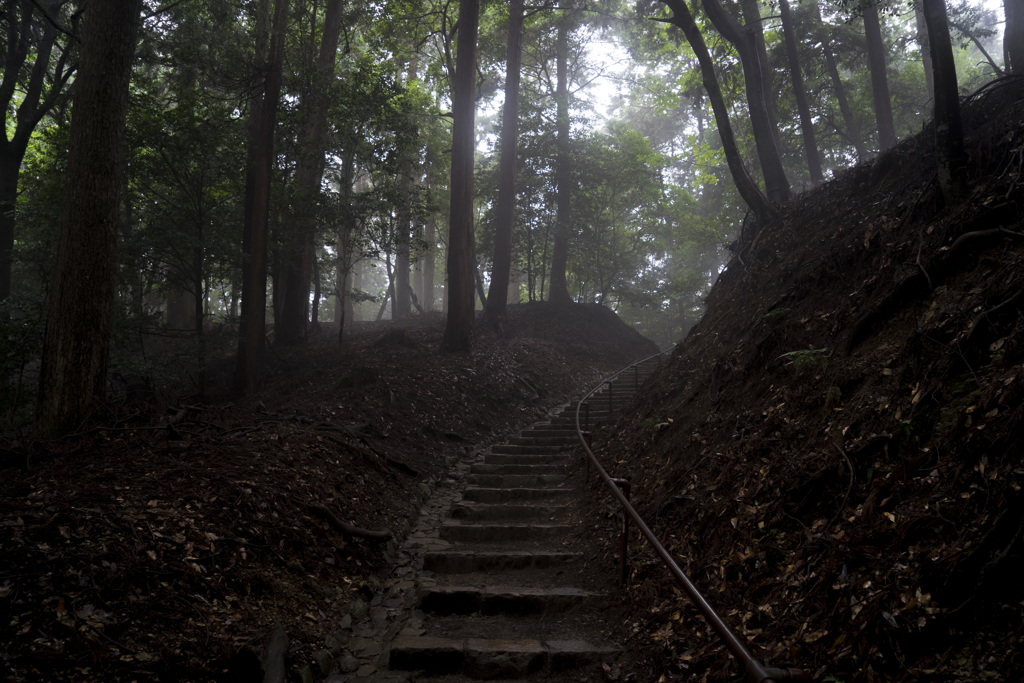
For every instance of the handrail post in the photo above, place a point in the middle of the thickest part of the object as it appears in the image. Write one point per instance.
(611, 408)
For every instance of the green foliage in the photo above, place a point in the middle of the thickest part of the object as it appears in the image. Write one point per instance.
(807, 359)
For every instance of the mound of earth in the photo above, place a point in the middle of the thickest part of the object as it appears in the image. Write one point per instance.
(161, 543)
(835, 450)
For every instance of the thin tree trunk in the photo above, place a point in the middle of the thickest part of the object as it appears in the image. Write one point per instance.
(797, 76)
(309, 173)
(458, 331)
(879, 79)
(73, 376)
(746, 186)
(775, 181)
(430, 236)
(497, 296)
(558, 287)
(249, 370)
(949, 130)
(401, 304)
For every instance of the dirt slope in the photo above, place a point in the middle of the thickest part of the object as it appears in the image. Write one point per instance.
(836, 449)
(163, 541)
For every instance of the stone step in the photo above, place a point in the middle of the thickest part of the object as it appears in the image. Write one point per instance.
(544, 432)
(457, 532)
(515, 480)
(513, 449)
(526, 459)
(516, 468)
(504, 600)
(482, 659)
(536, 440)
(512, 495)
(467, 561)
(468, 511)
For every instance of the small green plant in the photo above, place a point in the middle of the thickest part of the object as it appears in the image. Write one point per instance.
(803, 359)
(774, 313)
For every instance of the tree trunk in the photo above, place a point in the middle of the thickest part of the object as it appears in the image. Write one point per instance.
(852, 129)
(497, 295)
(751, 10)
(879, 79)
(343, 271)
(458, 331)
(746, 186)
(926, 51)
(949, 130)
(742, 38)
(1013, 36)
(73, 375)
(307, 182)
(430, 236)
(10, 165)
(558, 289)
(401, 304)
(797, 76)
(259, 167)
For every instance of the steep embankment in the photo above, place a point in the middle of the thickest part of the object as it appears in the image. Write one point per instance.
(164, 542)
(835, 450)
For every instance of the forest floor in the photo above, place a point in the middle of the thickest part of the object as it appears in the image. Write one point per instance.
(164, 540)
(835, 451)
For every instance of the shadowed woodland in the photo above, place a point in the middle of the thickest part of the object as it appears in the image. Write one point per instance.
(271, 269)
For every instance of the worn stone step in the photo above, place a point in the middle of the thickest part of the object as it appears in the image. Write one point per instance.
(467, 561)
(544, 432)
(516, 468)
(537, 440)
(504, 600)
(456, 532)
(513, 449)
(515, 480)
(468, 511)
(526, 459)
(482, 659)
(478, 494)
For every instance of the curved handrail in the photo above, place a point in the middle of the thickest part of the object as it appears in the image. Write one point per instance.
(753, 669)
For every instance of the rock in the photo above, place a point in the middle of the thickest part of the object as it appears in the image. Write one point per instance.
(357, 609)
(347, 663)
(305, 674)
(324, 662)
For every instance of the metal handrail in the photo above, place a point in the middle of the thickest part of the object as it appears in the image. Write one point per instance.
(753, 669)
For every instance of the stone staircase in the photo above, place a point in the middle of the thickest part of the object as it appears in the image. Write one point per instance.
(505, 594)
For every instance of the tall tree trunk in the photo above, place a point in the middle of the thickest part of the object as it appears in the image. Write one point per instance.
(298, 268)
(926, 51)
(497, 295)
(745, 184)
(775, 182)
(401, 304)
(458, 331)
(558, 289)
(346, 263)
(751, 10)
(1013, 36)
(949, 130)
(797, 76)
(879, 79)
(73, 375)
(430, 237)
(259, 167)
